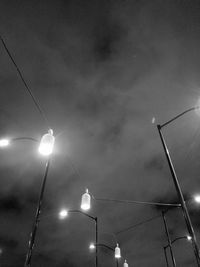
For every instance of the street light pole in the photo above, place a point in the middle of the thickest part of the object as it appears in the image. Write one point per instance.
(108, 247)
(45, 148)
(166, 256)
(168, 239)
(173, 241)
(96, 240)
(96, 227)
(37, 218)
(177, 186)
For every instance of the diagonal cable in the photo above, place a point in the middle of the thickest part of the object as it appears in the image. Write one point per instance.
(26, 85)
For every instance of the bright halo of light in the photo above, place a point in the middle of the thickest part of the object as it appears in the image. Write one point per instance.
(197, 198)
(189, 237)
(4, 142)
(117, 252)
(85, 201)
(63, 214)
(92, 246)
(47, 143)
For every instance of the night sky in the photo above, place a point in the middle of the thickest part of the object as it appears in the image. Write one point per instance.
(104, 73)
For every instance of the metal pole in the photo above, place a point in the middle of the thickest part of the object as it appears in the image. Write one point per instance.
(37, 219)
(117, 263)
(168, 239)
(181, 199)
(166, 256)
(96, 247)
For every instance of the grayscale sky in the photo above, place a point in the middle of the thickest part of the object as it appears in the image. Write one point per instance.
(105, 73)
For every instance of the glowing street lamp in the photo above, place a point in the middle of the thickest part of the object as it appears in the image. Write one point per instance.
(86, 201)
(64, 213)
(47, 143)
(116, 250)
(4, 142)
(125, 264)
(197, 198)
(45, 148)
(189, 238)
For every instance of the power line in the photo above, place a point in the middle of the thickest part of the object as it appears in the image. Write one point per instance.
(137, 202)
(138, 224)
(36, 102)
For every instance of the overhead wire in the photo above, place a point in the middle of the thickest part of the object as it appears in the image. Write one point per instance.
(138, 224)
(35, 101)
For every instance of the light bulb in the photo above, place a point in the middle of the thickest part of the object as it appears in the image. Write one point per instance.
(63, 214)
(189, 238)
(4, 142)
(125, 264)
(117, 252)
(47, 143)
(85, 201)
(197, 198)
(92, 246)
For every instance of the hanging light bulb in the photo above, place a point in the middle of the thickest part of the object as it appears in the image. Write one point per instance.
(85, 200)
(47, 143)
(117, 252)
(125, 264)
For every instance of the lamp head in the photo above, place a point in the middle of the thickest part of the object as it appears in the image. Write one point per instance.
(63, 214)
(197, 198)
(92, 246)
(86, 200)
(117, 252)
(189, 238)
(47, 143)
(4, 142)
(125, 264)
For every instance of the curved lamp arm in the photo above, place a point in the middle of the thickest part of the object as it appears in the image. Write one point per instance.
(179, 115)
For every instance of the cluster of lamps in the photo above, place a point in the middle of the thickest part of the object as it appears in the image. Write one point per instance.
(117, 251)
(46, 145)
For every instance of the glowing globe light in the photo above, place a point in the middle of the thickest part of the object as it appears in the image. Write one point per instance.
(85, 201)
(125, 264)
(92, 246)
(189, 238)
(197, 198)
(63, 214)
(47, 143)
(4, 142)
(117, 252)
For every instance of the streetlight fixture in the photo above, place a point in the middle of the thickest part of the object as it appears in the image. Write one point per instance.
(177, 185)
(116, 250)
(197, 198)
(86, 201)
(64, 213)
(45, 148)
(4, 142)
(47, 143)
(172, 242)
